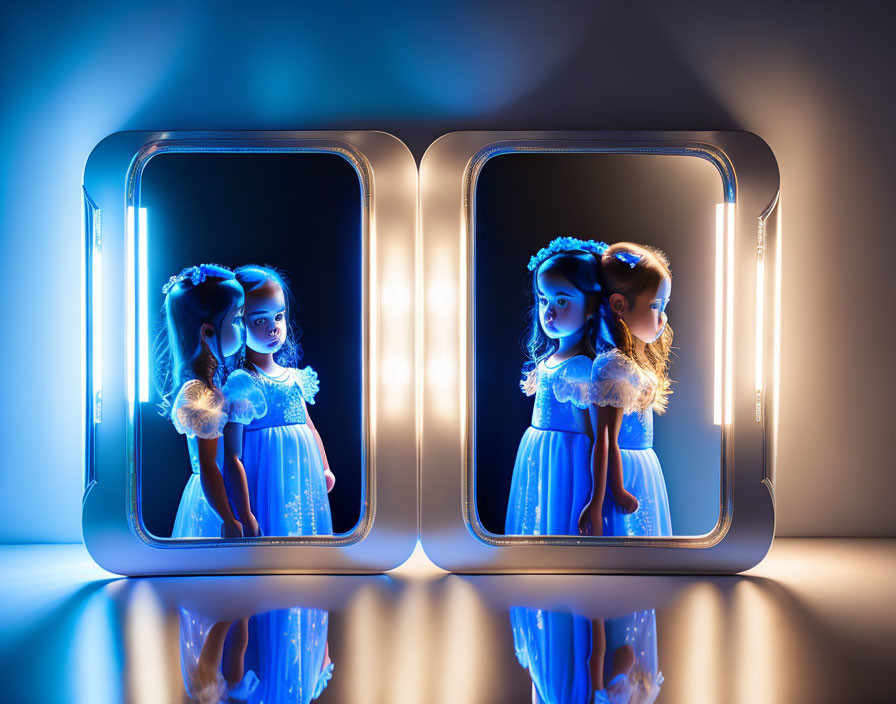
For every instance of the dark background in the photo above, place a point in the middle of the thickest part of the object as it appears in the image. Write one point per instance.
(302, 214)
(522, 202)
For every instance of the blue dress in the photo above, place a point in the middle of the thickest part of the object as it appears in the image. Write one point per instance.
(619, 383)
(284, 467)
(552, 474)
(201, 412)
(555, 647)
(292, 656)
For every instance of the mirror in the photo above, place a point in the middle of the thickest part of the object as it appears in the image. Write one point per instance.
(299, 214)
(538, 481)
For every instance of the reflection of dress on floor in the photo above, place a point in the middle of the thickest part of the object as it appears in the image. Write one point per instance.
(641, 685)
(284, 468)
(552, 473)
(619, 383)
(206, 682)
(555, 647)
(292, 656)
(201, 412)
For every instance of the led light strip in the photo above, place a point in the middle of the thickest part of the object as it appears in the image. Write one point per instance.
(729, 317)
(96, 313)
(130, 303)
(143, 304)
(717, 347)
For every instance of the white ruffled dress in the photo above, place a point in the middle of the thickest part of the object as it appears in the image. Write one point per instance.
(617, 382)
(284, 467)
(201, 412)
(552, 474)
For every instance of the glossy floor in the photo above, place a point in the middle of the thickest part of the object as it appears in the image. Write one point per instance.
(815, 622)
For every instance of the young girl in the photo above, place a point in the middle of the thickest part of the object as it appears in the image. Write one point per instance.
(630, 382)
(552, 474)
(203, 319)
(286, 466)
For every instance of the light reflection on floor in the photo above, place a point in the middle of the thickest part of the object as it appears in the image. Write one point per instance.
(814, 622)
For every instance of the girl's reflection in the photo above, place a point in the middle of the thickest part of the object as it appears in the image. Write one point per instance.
(575, 660)
(287, 648)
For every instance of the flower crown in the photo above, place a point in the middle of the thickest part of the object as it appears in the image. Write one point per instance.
(197, 275)
(566, 244)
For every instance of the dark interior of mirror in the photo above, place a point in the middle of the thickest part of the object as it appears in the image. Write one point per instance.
(522, 202)
(301, 213)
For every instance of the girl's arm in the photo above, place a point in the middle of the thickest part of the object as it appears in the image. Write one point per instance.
(235, 472)
(627, 501)
(233, 658)
(213, 487)
(602, 419)
(331, 479)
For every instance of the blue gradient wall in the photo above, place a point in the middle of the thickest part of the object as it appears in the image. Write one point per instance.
(809, 79)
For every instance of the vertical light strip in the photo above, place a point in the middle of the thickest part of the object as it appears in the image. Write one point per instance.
(143, 304)
(462, 321)
(130, 304)
(717, 347)
(96, 312)
(776, 322)
(760, 321)
(729, 316)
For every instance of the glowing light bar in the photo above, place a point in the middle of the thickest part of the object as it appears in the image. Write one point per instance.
(729, 317)
(717, 348)
(143, 304)
(96, 322)
(776, 322)
(760, 283)
(130, 305)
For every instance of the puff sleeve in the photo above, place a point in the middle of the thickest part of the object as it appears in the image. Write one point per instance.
(245, 399)
(308, 383)
(199, 411)
(617, 381)
(573, 383)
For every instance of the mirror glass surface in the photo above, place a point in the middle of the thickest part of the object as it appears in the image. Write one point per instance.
(522, 202)
(301, 214)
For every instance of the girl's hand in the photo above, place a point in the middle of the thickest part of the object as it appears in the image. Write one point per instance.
(231, 529)
(250, 527)
(591, 520)
(627, 501)
(331, 479)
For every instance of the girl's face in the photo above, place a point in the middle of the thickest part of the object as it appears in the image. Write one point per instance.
(646, 319)
(266, 318)
(562, 308)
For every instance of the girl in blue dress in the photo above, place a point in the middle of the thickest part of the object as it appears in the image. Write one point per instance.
(629, 383)
(552, 477)
(286, 466)
(203, 320)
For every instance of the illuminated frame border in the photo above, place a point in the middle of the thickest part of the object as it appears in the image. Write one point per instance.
(112, 524)
(450, 529)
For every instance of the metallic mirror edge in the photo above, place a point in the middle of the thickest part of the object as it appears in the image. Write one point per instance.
(387, 533)
(448, 526)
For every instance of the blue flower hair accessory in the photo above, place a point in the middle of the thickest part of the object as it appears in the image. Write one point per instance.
(566, 244)
(197, 275)
(628, 258)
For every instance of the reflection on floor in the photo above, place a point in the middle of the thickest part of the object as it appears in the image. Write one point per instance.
(813, 623)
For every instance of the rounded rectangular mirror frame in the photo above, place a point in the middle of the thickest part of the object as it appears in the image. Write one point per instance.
(112, 528)
(451, 533)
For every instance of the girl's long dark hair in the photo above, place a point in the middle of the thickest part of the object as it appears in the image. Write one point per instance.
(180, 351)
(581, 269)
